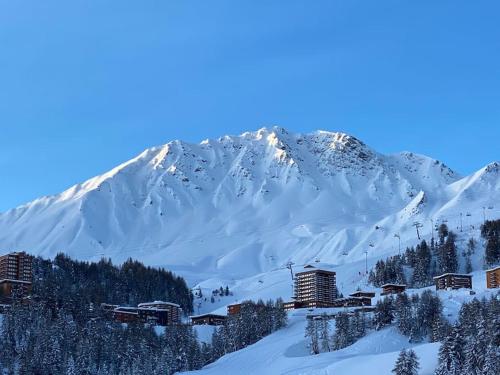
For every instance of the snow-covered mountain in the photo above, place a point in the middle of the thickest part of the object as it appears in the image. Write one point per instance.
(242, 205)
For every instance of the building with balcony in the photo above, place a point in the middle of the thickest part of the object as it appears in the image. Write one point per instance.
(315, 287)
(392, 289)
(493, 278)
(208, 319)
(453, 281)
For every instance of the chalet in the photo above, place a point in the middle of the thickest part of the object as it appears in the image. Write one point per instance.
(208, 319)
(453, 281)
(234, 309)
(159, 313)
(392, 289)
(352, 302)
(360, 293)
(124, 314)
(9, 287)
(493, 278)
(292, 305)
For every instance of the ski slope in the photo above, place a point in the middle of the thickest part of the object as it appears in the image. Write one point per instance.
(265, 197)
(286, 352)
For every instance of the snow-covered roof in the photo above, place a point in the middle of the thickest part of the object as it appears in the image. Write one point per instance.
(390, 284)
(207, 315)
(126, 310)
(148, 304)
(452, 274)
(493, 269)
(15, 281)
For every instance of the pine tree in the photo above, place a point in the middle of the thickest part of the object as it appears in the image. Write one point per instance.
(490, 231)
(343, 335)
(468, 265)
(491, 360)
(71, 367)
(399, 367)
(407, 363)
(313, 335)
(324, 335)
(403, 314)
(412, 364)
(384, 313)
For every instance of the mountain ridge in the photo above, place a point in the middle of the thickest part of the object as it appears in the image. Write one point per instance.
(266, 196)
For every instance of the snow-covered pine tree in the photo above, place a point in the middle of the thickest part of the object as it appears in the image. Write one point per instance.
(403, 314)
(399, 367)
(324, 333)
(407, 363)
(491, 360)
(313, 335)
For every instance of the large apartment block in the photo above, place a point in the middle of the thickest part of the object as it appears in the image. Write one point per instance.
(315, 287)
(16, 266)
(15, 274)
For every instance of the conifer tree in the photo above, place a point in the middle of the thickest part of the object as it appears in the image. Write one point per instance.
(313, 335)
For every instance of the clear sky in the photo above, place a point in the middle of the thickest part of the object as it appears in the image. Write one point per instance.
(87, 84)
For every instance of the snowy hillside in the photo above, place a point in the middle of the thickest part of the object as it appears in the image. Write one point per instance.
(240, 206)
(286, 351)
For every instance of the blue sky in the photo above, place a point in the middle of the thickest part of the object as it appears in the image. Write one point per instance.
(87, 84)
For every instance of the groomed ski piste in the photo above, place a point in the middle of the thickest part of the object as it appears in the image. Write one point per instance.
(286, 351)
(234, 211)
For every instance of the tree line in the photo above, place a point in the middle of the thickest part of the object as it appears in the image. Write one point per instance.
(472, 345)
(68, 282)
(62, 329)
(424, 261)
(252, 323)
(419, 317)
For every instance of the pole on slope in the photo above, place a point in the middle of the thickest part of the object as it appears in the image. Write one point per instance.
(417, 225)
(366, 262)
(461, 222)
(289, 266)
(399, 242)
(432, 229)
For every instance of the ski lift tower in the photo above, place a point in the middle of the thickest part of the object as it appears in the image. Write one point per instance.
(289, 265)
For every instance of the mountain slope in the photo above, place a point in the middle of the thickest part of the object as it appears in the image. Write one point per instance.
(241, 205)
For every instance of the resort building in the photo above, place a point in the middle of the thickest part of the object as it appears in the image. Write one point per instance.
(392, 289)
(493, 278)
(315, 287)
(453, 281)
(208, 319)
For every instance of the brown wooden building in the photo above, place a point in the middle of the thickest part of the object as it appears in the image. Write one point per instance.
(16, 266)
(15, 274)
(360, 293)
(208, 319)
(157, 313)
(493, 278)
(453, 281)
(392, 289)
(9, 288)
(233, 309)
(125, 314)
(315, 287)
(292, 305)
(352, 302)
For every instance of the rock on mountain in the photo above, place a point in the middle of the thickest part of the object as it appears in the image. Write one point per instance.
(241, 205)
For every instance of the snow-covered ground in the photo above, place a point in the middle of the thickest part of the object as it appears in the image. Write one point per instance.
(286, 352)
(239, 206)
(235, 210)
